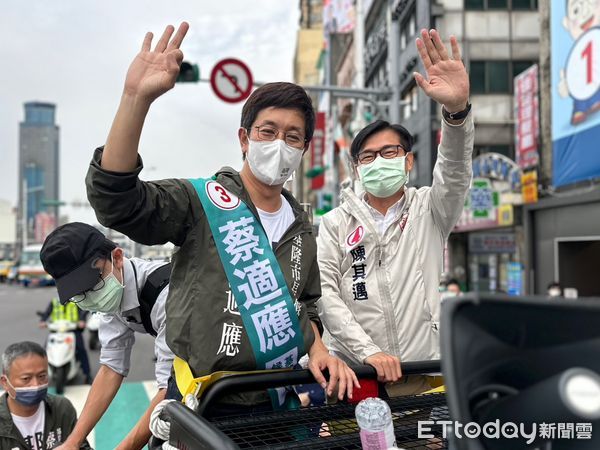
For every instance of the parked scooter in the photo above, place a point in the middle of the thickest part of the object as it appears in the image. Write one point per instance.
(92, 325)
(60, 348)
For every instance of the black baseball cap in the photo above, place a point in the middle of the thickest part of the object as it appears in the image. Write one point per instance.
(68, 255)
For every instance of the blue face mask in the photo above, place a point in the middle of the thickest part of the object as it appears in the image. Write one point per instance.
(29, 396)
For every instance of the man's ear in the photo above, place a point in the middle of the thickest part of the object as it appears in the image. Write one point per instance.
(3, 382)
(243, 138)
(410, 160)
(306, 147)
(117, 256)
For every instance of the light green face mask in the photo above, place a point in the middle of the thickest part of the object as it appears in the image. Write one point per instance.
(105, 300)
(383, 177)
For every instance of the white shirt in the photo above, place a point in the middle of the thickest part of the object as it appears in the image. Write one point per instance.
(32, 428)
(276, 223)
(117, 333)
(392, 214)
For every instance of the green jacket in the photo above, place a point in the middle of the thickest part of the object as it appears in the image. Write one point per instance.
(198, 311)
(60, 421)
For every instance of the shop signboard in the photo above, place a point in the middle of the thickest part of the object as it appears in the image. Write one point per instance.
(515, 278)
(482, 198)
(338, 16)
(317, 154)
(485, 243)
(529, 186)
(527, 120)
(495, 189)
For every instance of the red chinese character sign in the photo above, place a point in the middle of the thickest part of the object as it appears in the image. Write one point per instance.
(231, 80)
(317, 153)
(527, 117)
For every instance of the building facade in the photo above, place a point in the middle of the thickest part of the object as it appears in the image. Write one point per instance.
(39, 171)
(499, 40)
(563, 228)
(8, 230)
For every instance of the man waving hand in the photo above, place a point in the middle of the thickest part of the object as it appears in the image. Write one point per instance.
(381, 252)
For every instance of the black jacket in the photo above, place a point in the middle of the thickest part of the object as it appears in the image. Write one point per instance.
(60, 421)
(157, 212)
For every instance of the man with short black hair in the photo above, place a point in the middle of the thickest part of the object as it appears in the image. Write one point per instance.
(92, 272)
(381, 252)
(245, 279)
(30, 418)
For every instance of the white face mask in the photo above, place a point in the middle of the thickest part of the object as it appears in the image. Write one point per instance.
(272, 162)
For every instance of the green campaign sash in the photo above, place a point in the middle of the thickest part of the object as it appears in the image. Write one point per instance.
(261, 293)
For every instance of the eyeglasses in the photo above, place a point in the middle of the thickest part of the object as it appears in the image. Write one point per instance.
(81, 297)
(387, 152)
(291, 138)
(99, 284)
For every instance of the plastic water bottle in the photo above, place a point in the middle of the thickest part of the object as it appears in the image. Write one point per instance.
(374, 418)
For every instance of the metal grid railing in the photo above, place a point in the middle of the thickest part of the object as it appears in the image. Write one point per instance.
(334, 426)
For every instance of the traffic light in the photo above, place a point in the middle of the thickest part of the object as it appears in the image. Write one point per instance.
(188, 73)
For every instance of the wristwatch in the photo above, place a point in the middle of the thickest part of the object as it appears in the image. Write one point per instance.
(459, 115)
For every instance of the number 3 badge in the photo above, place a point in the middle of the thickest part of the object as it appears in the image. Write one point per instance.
(221, 197)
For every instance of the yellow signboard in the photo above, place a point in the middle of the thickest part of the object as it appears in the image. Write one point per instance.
(506, 215)
(529, 186)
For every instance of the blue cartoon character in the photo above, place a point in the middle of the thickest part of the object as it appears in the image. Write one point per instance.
(580, 78)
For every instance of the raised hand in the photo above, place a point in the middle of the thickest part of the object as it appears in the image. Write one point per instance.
(448, 81)
(153, 72)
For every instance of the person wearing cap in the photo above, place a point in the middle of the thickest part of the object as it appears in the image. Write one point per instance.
(91, 271)
(381, 251)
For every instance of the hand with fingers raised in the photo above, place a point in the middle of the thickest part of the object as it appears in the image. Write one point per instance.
(153, 72)
(447, 80)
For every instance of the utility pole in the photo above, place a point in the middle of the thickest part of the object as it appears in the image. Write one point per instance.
(394, 58)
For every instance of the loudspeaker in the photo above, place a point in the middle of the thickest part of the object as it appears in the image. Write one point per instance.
(532, 362)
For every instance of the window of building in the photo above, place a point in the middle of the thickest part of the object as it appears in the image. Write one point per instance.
(520, 66)
(408, 28)
(480, 5)
(414, 99)
(525, 4)
(497, 4)
(410, 99)
(495, 77)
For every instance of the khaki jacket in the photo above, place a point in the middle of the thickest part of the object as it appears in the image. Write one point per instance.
(399, 271)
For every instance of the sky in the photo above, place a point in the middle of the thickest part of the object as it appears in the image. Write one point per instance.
(76, 53)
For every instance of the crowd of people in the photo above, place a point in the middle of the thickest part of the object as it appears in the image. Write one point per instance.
(251, 286)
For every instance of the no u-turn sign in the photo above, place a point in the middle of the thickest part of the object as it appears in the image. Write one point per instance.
(231, 80)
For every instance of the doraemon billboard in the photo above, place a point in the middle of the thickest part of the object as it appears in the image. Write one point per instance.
(575, 34)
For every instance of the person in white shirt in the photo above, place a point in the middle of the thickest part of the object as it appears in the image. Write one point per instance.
(30, 418)
(381, 254)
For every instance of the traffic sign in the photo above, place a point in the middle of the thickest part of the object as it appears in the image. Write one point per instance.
(231, 80)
